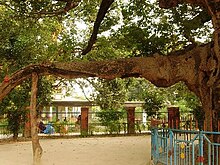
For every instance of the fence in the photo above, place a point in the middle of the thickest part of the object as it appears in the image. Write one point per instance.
(184, 147)
(95, 126)
(142, 123)
(74, 129)
(6, 133)
(98, 128)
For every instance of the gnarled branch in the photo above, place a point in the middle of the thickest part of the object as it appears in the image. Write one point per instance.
(161, 70)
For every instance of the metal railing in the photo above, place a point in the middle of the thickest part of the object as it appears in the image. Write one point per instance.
(6, 133)
(95, 128)
(185, 147)
(141, 125)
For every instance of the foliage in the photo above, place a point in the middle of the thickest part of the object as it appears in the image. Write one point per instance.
(148, 29)
(131, 28)
(134, 28)
(23, 42)
(45, 90)
(111, 119)
(200, 116)
(153, 103)
(157, 99)
(110, 96)
(16, 104)
(137, 88)
(179, 95)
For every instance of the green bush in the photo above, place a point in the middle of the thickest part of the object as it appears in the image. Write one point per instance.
(111, 119)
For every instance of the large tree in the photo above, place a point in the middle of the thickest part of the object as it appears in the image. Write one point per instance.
(197, 65)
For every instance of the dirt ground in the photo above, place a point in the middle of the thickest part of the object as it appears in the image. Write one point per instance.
(131, 150)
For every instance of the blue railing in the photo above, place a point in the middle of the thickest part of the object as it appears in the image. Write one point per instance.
(184, 147)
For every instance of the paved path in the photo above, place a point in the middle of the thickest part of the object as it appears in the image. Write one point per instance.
(132, 150)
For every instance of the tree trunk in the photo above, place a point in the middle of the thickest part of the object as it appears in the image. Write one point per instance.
(209, 76)
(198, 67)
(216, 117)
(37, 150)
(27, 126)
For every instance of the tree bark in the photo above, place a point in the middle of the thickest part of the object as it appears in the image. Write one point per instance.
(37, 150)
(193, 66)
(197, 67)
(27, 126)
(209, 92)
(163, 71)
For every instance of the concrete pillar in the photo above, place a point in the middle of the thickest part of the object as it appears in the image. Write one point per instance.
(66, 111)
(131, 119)
(173, 117)
(84, 120)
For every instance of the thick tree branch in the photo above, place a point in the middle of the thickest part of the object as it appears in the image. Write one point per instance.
(105, 5)
(173, 3)
(160, 70)
(70, 4)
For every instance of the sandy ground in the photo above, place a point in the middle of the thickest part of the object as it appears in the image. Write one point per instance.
(132, 150)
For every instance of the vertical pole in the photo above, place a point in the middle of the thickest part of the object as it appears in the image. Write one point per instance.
(200, 158)
(193, 153)
(154, 145)
(84, 120)
(37, 150)
(170, 152)
(51, 113)
(66, 112)
(144, 118)
(131, 119)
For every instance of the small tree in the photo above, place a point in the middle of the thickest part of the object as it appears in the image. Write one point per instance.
(14, 106)
(16, 103)
(110, 96)
(111, 119)
(153, 103)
